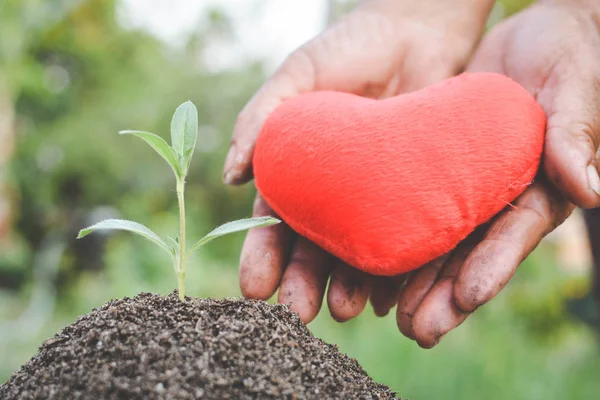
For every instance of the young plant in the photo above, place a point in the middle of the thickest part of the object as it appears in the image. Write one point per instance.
(184, 131)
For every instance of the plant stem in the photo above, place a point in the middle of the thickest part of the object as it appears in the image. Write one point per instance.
(182, 251)
(181, 286)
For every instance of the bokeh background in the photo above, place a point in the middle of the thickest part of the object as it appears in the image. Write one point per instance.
(74, 72)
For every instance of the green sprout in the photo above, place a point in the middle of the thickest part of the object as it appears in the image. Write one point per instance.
(184, 131)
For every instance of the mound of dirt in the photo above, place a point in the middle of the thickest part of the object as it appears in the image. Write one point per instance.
(155, 347)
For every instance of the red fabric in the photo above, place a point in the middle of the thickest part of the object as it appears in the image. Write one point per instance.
(388, 185)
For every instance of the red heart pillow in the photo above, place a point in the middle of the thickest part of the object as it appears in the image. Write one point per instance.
(388, 185)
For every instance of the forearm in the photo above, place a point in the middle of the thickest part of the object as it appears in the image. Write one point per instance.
(473, 12)
(460, 22)
(584, 5)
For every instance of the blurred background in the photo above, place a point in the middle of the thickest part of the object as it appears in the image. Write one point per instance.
(74, 72)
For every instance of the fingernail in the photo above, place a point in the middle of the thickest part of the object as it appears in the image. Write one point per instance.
(426, 346)
(593, 179)
(228, 176)
(380, 311)
(337, 319)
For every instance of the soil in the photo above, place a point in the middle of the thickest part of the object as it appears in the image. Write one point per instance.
(156, 347)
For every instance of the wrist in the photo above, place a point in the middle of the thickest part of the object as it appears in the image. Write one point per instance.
(463, 20)
(474, 11)
(579, 5)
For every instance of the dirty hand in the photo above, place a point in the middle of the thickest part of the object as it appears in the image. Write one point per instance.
(552, 49)
(383, 48)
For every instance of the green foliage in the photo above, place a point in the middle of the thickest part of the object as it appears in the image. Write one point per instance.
(161, 147)
(184, 132)
(234, 226)
(124, 225)
(68, 166)
(513, 6)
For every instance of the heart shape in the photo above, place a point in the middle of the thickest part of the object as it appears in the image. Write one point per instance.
(389, 185)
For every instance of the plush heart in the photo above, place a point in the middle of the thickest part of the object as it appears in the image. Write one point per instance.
(388, 185)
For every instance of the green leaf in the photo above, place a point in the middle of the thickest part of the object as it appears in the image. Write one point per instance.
(187, 159)
(184, 131)
(235, 226)
(124, 225)
(173, 245)
(160, 146)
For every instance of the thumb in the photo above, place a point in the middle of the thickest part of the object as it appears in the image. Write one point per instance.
(294, 76)
(572, 135)
(368, 52)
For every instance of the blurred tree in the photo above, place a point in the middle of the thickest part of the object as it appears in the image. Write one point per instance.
(337, 8)
(78, 79)
(6, 146)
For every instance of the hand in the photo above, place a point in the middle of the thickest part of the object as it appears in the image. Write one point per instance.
(383, 48)
(552, 50)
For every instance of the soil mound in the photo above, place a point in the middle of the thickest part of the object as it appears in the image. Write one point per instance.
(155, 347)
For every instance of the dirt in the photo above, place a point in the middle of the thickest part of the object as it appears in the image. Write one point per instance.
(156, 347)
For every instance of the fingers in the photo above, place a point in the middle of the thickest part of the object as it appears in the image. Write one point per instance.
(295, 76)
(348, 292)
(571, 99)
(477, 271)
(361, 53)
(417, 285)
(431, 67)
(438, 314)
(305, 279)
(385, 292)
(264, 255)
(510, 239)
(570, 160)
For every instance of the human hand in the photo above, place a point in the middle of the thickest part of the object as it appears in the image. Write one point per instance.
(552, 50)
(383, 48)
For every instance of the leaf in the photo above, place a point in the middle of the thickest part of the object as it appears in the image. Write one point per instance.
(173, 245)
(160, 146)
(187, 159)
(235, 226)
(184, 131)
(124, 225)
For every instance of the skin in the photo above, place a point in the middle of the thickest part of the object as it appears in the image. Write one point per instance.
(396, 46)
(383, 48)
(551, 49)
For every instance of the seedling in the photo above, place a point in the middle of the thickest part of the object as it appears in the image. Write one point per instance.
(184, 131)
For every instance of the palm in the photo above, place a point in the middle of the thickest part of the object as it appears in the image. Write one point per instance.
(551, 51)
(338, 63)
(372, 54)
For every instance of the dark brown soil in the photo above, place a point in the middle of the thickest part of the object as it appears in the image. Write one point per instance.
(154, 347)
